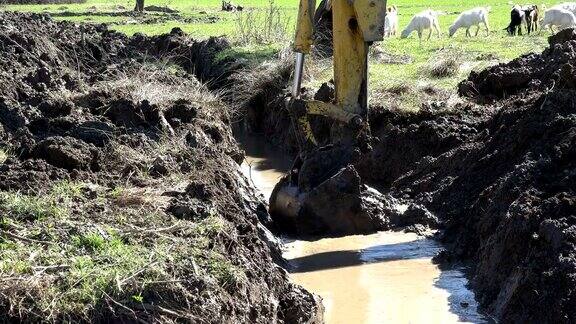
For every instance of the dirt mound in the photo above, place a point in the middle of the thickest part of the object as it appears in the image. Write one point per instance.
(120, 191)
(152, 15)
(160, 9)
(554, 68)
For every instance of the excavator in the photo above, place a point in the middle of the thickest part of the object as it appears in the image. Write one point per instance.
(311, 199)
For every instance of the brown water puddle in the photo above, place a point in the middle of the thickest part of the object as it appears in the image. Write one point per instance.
(387, 277)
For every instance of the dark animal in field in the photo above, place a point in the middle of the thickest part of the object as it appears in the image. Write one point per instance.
(229, 6)
(517, 16)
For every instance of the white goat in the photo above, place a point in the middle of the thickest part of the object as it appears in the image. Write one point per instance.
(427, 19)
(570, 6)
(391, 22)
(558, 17)
(470, 18)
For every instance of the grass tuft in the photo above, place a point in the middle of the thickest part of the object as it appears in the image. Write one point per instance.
(445, 67)
(262, 26)
(29, 208)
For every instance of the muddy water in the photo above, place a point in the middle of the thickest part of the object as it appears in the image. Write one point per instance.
(386, 277)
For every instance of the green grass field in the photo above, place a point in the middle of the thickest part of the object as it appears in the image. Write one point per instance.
(469, 53)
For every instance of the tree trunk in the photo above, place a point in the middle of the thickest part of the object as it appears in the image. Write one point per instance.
(139, 6)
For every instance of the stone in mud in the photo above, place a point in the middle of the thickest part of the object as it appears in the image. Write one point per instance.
(124, 113)
(189, 209)
(182, 110)
(66, 152)
(95, 132)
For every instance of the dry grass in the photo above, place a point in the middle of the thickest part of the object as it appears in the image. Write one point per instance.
(444, 64)
(159, 82)
(262, 26)
(4, 154)
(264, 81)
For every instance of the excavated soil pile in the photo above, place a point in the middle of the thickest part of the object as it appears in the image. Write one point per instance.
(120, 195)
(500, 171)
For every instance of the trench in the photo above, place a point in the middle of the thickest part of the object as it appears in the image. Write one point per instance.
(387, 277)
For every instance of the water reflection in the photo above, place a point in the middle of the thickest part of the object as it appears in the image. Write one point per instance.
(416, 249)
(461, 300)
(263, 165)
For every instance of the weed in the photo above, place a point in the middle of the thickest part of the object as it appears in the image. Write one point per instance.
(117, 192)
(138, 298)
(211, 226)
(91, 241)
(223, 271)
(66, 191)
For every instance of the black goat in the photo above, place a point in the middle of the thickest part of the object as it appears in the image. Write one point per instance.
(516, 18)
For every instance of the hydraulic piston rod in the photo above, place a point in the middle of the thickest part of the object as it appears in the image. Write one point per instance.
(298, 70)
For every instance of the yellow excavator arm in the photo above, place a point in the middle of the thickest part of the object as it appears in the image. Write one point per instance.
(356, 24)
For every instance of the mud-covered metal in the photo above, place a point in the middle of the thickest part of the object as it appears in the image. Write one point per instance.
(305, 27)
(371, 14)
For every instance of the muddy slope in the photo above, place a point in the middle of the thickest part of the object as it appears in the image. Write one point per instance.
(120, 193)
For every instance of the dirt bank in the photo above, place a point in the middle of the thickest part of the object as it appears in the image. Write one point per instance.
(507, 192)
(496, 167)
(120, 192)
